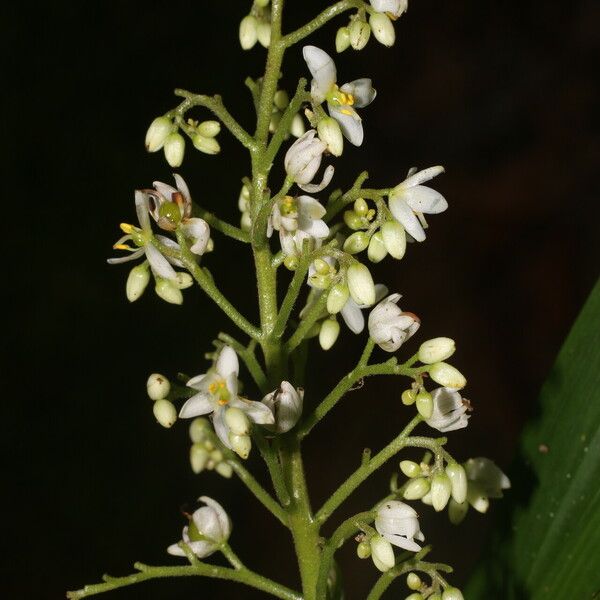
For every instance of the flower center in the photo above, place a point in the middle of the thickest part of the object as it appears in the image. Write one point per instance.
(288, 205)
(336, 97)
(219, 390)
(136, 234)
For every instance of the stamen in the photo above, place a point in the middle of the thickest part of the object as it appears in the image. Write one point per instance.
(126, 228)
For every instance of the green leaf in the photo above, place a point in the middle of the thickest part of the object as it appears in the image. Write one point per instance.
(547, 544)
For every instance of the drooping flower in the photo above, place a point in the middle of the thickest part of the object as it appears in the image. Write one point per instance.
(389, 326)
(394, 8)
(341, 101)
(409, 200)
(209, 527)
(143, 239)
(397, 522)
(297, 219)
(217, 391)
(286, 405)
(449, 410)
(303, 159)
(485, 480)
(172, 207)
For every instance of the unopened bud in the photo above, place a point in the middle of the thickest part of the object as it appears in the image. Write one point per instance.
(394, 238)
(297, 128)
(286, 405)
(209, 128)
(165, 413)
(199, 427)
(424, 403)
(416, 488)
(353, 220)
(157, 133)
(382, 553)
(441, 488)
(198, 457)
(328, 334)
(447, 375)
(208, 145)
(137, 281)
(363, 550)
(248, 32)
(415, 596)
(457, 512)
(342, 39)
(281, 99)
(240, 444)
(383, 29)
(452, 593)
(158, 386)
(263, 32)
(436, 350)
(409, 397)
(356, 242)
(337, 297)
(410, 468)
(359, 32)
(413, 581)
(168, 291)
(224, 469)
(174, 149)
(458, 478)
(237, 421)
(360, 284)
(477, 498)
(330, 133)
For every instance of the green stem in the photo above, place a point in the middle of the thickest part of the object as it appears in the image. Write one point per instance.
(226, 228)
(232, 558)
(275, 469)
(366, 470)
(312, 316)
(146, 572)
(350, 196)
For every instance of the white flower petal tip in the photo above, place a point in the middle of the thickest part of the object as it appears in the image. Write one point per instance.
(398, 523)
(449, 410)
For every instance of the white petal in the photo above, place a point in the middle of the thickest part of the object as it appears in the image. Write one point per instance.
(402, 542)
(313, 188)
(309, 207)
(141, 209)
(123, 259)
(182, 187)
(424, 199)
(221, 515)
(353, 316)
(220, 426)
(165, 241)
(175, 550)
(257, 412)
(165, 190)
(198, 404)
(363, 91)
(194, 382)
(227, 363)
(350, 123)
(158, 263)
(322, 69)
(405, 216)
(317, 229)
(418, 177)
(198, 230)
(381, 290)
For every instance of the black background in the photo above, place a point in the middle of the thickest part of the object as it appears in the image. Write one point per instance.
(500, 93)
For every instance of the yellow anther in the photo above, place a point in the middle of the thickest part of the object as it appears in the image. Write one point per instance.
(222, 401)
(126, 228)
(122, 247)
(346, 111)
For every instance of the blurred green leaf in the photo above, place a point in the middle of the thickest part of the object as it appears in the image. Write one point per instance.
(547, 544)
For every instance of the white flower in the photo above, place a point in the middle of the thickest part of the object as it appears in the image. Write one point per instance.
(485, 480)
(209, 528)
(449, 410)
(393, 7)
(218, 391)
(389, 326)
(303, 159)
(172, 208)
(340, 100)
(143, 238)
(352, 312)
(286, 405)
(297, 219)
(409, 200)
(397, 522)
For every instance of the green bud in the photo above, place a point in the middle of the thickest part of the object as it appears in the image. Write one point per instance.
(184, 280)
(240, 444)
(360, 284)
(208, 145)
(237, 421)
(337, 297)
(359, 32)
(361, 208)
(458, 478)
(383, 29)
(224, 470)
(198, 457)
(410, 468)
(356, 242)
(157, 386)
(416, 488)
(352, 220)
(297, 128)
(408, 397)
(165, 413)
(342, 39)
(291, 262)
(157, 133)
(457, 512)
(425, 404)
(137, 281)
(436, 350)
(328, 334)
(248, 32)
(441, 488)
(363, 550)
(199, 428)
(209, 128)
(394, 238)
(413, 581)
(281, 99)
(168, 291)
(382, 553)
(415, 596)
(174, 149)
(330, 133)
(452, 593)
(263, 32)
(377, 251)
(447, 375)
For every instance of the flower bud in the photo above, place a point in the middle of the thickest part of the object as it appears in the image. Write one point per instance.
(281, 99)
(477, 498)
(394, 238)
(246, 221)
(248, 32)
(413, 581)
(137, 281)
(224, 470)
(286, 405)
(342, 39)
(361, 208)
(174, 149)
(240, 444)
(262, 3)
(457, 512)
(410, 468)
(409, 397)
(441, 488)
(416, 488)
(157, 133)
(447, 375)
(360, 284)
(452, 593)
(382, 553)
(303, 159)
(415, 596)
(209, 128)
(363, 550)
(356, 242)
(183, 280)
(436, 350)
(328, 334)
(353, 220)
(208, 145)
(383, 29)
(377, 250)
(199, 428)
(237, 421)
(168, 291)
(297, 128)
(165, 413)
(359, 32)
(330, 133)
(426, 499)
(198, 457)
(458, 478)
(158, 386)
(425, 404)
(263, 32)
(337, 297)
(435, 597)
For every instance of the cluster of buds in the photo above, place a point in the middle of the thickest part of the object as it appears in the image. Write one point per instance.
(244, 208)
(432, 591)
(256, 26)
(358, 31)
(158, 388)
(204, 454)
(280, 103)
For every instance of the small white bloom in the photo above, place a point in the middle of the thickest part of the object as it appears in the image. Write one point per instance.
(209, 528)
(449, 410)
(389, 326)
(218, 391)
(340, 100)
(398, 523)
(303, 159)
(485, 480)
(394, 8)
(409, 201)
(286, 405)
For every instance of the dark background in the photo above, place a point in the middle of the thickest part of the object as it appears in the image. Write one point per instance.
(500, 93)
